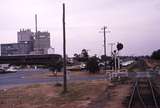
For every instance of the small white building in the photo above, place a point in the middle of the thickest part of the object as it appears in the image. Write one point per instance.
(50, 50)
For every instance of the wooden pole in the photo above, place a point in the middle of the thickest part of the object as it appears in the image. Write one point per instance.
(64, 52)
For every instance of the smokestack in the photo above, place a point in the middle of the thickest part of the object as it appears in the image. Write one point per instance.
(36, 25)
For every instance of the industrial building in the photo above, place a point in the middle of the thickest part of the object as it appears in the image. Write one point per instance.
(15, 49)
(25, 36)
(42, 42)
(28, 42)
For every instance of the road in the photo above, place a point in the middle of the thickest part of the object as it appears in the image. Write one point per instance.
(22, 78)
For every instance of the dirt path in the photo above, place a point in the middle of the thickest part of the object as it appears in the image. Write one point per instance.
(112, 97)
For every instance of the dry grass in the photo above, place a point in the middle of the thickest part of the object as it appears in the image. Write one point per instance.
(60, 74)
(49, 96)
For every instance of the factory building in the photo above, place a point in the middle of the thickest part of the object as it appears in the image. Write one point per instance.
(41, 42)
(28, 42)
(24, 36)
(15, 49)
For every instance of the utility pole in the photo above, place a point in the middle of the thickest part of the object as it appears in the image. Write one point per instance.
(105, 52)
(112, 55)
(115, 60)
(64, 53)
(104, 31)
(111, 44)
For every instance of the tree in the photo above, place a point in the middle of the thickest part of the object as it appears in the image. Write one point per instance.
(76, 57)
(56, 67)
(92, 64)
(84, 53)
(84, 56)
(156, 54)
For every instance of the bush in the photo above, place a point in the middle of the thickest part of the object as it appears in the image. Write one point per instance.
(92, 65)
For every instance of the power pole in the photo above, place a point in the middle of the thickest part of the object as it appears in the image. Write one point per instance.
(111, 44)
(104, 31)
(105, 52)
(64, 53)
(112, 55)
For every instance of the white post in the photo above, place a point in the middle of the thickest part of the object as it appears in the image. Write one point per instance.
(118, 61)
(68, 75)
(115, 63)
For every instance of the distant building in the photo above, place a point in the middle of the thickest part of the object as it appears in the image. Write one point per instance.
(15, 49)
(28, 42)
(25, 36)
(42, 42)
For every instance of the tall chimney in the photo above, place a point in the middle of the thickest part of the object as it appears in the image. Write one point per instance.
(35, 25)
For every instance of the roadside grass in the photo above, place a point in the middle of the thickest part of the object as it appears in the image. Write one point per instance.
(50, 96)
(139, 66)
(81, 91)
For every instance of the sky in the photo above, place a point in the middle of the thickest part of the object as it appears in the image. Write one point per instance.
(135, 23)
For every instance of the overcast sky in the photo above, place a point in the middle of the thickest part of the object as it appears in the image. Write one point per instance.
(135, 23)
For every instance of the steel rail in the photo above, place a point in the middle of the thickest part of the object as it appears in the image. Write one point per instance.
(137, 89)
(140, 97)
(153, 94)
(133, 93)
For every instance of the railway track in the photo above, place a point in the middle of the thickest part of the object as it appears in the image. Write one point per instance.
(144, 95)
